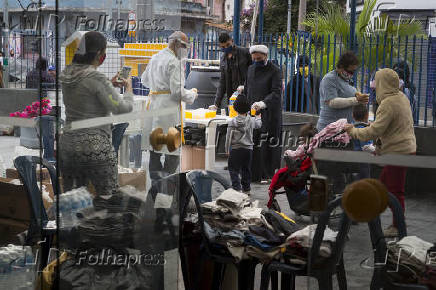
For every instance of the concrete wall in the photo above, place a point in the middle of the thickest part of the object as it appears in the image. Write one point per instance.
(423, 180)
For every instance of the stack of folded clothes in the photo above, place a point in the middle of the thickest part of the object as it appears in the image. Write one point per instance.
(114, 219)
(105, 229)
(244, 229)
(125, 200)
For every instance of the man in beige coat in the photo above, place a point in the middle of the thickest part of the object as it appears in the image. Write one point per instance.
(393, 130)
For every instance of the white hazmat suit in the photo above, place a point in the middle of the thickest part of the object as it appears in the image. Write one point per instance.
(165, 77)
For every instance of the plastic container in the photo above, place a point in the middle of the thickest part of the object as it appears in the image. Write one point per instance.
(200, 114)
(232, 112)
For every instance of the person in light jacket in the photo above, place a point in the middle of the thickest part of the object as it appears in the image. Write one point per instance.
(393, 129)
(239, 144)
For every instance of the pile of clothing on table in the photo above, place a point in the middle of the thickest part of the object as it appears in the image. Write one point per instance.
(233, 224)
(412, 260)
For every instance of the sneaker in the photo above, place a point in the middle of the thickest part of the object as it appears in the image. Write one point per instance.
(264, 181)
(247, 192)
(390, 232)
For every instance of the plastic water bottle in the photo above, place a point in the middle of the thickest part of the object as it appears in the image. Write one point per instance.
(82, 198)
(232, 99)
(66, 217)
(89, 199)
(76, 205)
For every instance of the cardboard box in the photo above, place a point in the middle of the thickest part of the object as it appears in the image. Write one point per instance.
(137, 179)
(13, 174)
(9, 229)
(193, 157)
(14, 201)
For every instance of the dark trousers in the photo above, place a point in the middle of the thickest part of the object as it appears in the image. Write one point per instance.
(170, 165)
(240, 164)
(267, 155)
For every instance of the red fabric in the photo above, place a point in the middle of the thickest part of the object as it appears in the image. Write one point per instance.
(394, 177)
(276, 183)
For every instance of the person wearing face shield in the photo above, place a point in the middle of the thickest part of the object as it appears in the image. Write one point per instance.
(165, 77)
(234, 64)
(337, 95)
(303, 92)
(263, 88)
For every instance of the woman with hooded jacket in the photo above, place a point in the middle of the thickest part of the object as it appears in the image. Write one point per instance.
(393, 130)
(87, 155)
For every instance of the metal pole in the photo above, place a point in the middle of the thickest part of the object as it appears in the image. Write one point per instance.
(6, 43)
(253, 22)
(352, 24)
(236, 25)
(119, 2)
(109, 15)
(260, 30)
(288, 27)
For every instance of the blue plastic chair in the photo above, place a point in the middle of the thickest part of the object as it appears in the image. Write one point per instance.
(323, 270)
(380, 278)
(37, 232)
(201, 182)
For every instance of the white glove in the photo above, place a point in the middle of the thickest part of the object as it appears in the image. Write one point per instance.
(194, 92)
(213, 108)
(258, 106)
(368, 148)
(240, 89)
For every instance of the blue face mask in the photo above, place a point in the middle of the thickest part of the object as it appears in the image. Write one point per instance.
(259, 63)
(227, 50)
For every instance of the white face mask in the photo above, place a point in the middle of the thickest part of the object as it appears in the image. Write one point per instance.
(182, 53)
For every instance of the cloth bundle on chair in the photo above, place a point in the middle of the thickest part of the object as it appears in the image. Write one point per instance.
(322, 269)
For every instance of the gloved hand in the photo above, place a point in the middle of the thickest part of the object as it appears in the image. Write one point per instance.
(368, 148)
(240, 89)
(258, 106)
(213, 108)
(195, 92)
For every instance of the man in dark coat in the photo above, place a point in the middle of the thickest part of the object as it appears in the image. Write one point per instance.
(263, 88)
(304, 88)
(234, 64)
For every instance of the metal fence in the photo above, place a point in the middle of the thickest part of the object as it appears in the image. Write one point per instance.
(323, 52)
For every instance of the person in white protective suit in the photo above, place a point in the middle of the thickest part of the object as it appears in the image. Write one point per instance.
(165, 77)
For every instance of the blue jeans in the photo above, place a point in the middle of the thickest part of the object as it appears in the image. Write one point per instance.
(240, 164)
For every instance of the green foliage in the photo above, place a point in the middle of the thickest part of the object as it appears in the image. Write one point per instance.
(333, 21)
(276, 15)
